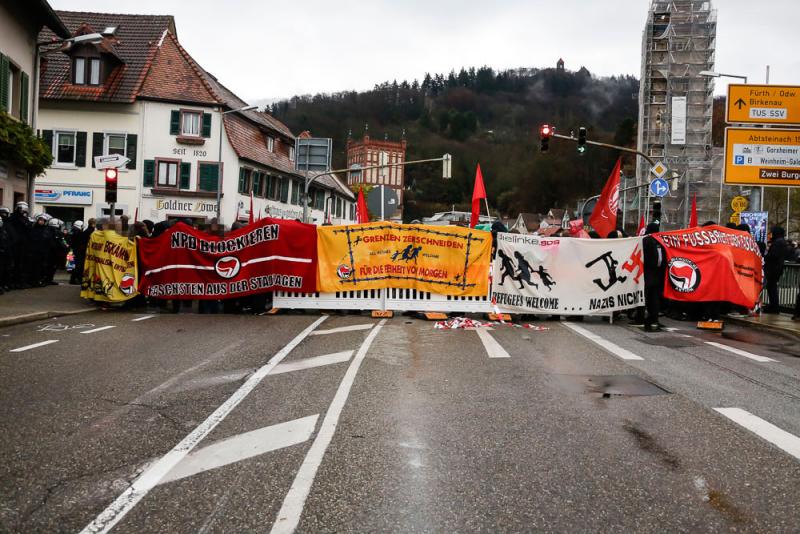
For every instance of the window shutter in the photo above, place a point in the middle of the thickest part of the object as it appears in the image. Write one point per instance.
(240, 188)
(97, 145)
(47, 137)
(207, 125)
(175, 122)
(149, 173)
(284, 190)
(208, 177)
(186, 171)
(130, 149)
(80, 149)
(24, 96)
(5, 74)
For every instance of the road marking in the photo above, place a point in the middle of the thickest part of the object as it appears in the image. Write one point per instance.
(309, 363)
(143, 318)
(493, 348)
(740, 352)
(244, 446)
(93, 330)
(351, 328)
(775, 435)
(613, 348)
(29, 347)
(153, 474)
(292, 508)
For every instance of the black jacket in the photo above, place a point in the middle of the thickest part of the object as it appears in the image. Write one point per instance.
(776, 255)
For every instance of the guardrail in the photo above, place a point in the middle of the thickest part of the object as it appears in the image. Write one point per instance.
(788, 287)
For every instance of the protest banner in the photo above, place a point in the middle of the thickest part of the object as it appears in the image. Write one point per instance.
(712, 264)
(271, 254)
(448, 260)
(109, 271)
(567, 276)
(758, 221)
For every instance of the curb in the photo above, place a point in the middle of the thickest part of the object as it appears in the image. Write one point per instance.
(763, 326)
(38, 316)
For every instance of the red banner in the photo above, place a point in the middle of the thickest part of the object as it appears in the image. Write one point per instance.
(712, 263)
(272, 254)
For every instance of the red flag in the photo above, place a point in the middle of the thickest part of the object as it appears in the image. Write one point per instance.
(604, 216)
(693, 216)
(642, 227)
(362, 215)
(250, 220)
(478, 194)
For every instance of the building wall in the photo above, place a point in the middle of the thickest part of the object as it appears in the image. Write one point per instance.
(90, 118)
(367, 153)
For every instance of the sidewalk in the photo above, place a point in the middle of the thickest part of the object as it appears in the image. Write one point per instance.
(26, 305)
(771, 321)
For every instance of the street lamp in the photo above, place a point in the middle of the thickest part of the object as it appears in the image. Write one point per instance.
(219, 158)
(712, 74)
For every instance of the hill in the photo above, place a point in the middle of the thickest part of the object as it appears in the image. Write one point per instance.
(479, 115)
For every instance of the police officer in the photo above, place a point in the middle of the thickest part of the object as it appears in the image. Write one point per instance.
(6, 253)
(77, 242)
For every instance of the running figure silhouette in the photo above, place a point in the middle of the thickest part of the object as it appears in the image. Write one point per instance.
(524, 269)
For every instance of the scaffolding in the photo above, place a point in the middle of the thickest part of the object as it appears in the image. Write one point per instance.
(678, 43)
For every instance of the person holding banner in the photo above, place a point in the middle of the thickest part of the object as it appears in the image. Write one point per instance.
(654, 272)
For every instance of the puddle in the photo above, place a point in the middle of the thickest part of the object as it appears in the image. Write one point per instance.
(608, 385)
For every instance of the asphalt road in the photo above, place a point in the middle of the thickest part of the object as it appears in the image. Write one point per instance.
(343, 423)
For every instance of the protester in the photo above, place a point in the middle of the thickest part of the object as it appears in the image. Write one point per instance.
(773, 268)
(654, 272)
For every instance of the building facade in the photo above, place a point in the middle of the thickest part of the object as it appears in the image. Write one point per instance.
(676, 104)
(20, 24)
(369, 152)
(138, 93)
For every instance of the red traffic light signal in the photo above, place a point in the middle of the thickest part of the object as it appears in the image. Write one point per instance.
(111, 185)
(545, 133)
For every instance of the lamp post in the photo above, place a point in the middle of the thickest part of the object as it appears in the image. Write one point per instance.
(219, 158)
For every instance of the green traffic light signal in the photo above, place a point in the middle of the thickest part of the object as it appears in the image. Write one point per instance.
(581, 149)
(581, 140)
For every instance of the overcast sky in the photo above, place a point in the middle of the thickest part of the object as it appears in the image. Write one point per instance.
(270, 49)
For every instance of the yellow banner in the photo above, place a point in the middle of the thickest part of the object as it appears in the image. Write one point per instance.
(109, 273)
(447, 260)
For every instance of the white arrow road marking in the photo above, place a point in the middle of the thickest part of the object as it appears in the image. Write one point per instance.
(493, 348)
(309, 363)
(775, 435)
(29, 347)
(244, 446)
(740, 352)
(153, 474)
(143, 318)
(292, 508)
(93, 330)
(613, 348)
(351, 328)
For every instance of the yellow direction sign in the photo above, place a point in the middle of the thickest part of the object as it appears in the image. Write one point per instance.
(763, 104)
(739, 204)
(769, 156)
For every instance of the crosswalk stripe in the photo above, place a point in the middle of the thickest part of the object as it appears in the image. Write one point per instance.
(143, 318)
(309, 363)
(93, 330)
(244, 446)
(351, 328)
(29, 347)
(613, 348)
(493, 348)
(740, 352)
(766, 430)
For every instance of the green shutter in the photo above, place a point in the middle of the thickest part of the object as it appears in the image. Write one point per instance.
(207, 177)
(80, 149)
(130, 150)
(47, 137)
(97, 145)
(207, 125)
(175, 122)
(5, 74)
(284, 190)
(186, 171)
(149, 173)
(23, 96)
(268, 186)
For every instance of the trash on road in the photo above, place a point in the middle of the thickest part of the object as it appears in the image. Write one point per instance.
(455, 323)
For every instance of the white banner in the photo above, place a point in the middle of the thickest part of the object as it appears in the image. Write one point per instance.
(567, 276)
(678, 120)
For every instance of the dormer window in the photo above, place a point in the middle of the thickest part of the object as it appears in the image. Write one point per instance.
(86, 71)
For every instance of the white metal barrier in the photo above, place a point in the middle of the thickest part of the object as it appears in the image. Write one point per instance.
(393, 299)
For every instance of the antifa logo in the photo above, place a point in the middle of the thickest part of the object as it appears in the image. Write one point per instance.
(227, 267)
(344, 271)
(126, 284)
(684, 275)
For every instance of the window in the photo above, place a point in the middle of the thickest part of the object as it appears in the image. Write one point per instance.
(207, 174)
(86, 71)
(65, 148)
(190, 123)
(115, 144)
(291, 153)
(79, 71)
(244, 181)
(94, 72)
(271, 144)
(167, 173)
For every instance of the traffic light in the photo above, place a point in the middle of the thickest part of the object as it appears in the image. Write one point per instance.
(111, 185)
(581, 140)
(545, 133)
(656, 211)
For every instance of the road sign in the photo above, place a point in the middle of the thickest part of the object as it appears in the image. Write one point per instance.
(382, 195)
(755, 156)
(734, 218)
(112, 161)
(313, 154)
(659, 187)
(739, 204)
(763, 104)
(659, 170)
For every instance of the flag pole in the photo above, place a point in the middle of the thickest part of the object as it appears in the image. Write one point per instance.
(485, 200)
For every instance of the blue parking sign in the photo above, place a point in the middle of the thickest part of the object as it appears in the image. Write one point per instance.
(738, 160)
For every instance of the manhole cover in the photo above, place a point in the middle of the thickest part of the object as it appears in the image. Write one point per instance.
(669, 342)
(607, 385)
